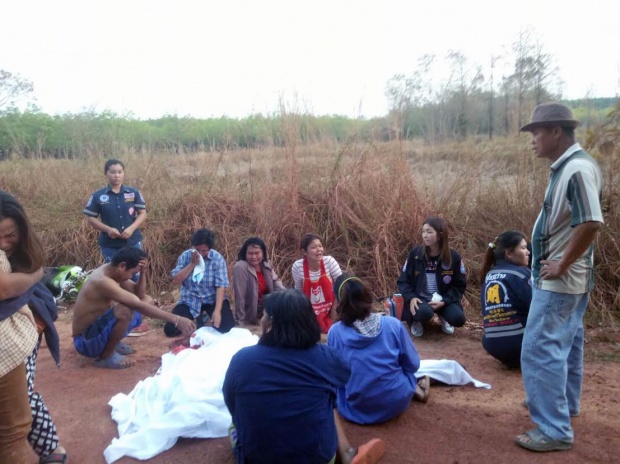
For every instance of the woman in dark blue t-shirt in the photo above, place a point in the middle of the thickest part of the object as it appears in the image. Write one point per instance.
(281, 392)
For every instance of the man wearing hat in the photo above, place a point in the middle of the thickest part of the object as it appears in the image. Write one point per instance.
(562, 273)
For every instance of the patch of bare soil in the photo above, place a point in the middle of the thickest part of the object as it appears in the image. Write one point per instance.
(457, 425)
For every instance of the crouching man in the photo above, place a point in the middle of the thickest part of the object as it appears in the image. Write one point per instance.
(107, 309)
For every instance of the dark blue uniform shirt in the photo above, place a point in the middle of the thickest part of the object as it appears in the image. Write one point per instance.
(117, 210)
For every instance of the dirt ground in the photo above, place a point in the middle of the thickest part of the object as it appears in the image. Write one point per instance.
(457, 425)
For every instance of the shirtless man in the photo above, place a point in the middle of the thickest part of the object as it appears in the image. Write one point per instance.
(107, 309)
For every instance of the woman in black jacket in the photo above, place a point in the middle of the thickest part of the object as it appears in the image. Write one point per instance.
(433, 281)
(505, 296)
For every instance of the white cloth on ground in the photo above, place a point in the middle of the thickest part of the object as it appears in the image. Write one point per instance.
(184, 399)
(447, 371)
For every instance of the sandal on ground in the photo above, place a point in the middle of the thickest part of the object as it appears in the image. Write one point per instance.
(116, 361)
(536, 440)
(369, 453)
(54, 458)
(425, 385)
(124, 349)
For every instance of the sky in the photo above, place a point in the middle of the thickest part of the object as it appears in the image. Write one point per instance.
(207, 58)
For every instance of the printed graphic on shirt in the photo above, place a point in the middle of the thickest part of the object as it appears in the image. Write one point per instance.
(104, 198)
(129, 196)
(463, 270)
(498, 311)
(316, 295)
(431, 265)
(90, 201)
(447, 279)
(493, 294)
(131, 211)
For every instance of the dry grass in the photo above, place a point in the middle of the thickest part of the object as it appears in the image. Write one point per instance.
(366, 200)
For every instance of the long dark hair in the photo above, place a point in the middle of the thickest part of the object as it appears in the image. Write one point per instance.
(354, 299)
(252, 241)
(496, 250)
(293, 323)
(28, 256)
(440, 225)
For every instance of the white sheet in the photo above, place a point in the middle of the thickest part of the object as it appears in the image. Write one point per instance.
(447, 371)
(184, 399)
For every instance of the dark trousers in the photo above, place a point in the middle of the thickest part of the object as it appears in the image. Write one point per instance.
(453, 313)
(206, 313)
(505, 349)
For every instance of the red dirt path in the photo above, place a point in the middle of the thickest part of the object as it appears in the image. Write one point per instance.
(457, 425)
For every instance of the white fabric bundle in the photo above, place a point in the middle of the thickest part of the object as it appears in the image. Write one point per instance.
(184, 399)
(447, 371)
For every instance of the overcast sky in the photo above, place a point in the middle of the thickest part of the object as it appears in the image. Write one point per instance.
(235, 57)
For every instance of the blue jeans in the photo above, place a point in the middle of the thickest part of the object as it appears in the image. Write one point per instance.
(108, 252)
(552, 360)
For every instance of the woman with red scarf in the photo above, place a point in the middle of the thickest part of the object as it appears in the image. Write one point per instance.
(314, 275)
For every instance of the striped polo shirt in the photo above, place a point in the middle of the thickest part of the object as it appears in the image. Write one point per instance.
(573, 197)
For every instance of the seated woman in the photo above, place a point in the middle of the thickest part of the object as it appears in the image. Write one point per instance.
(253, 278)
(281, 392)
(381, 355)
(433, 281)
(314, 274)
(505, 296)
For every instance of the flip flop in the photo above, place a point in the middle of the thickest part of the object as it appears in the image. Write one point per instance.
(116, 361)
(124, 349)
(54, 458)
(369, 453)
(536, 440)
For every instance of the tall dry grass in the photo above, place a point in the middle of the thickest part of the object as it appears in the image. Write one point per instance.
(366, 200)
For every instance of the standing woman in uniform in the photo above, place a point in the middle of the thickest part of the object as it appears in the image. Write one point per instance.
(433, 281)
(117, 211)
(314, 275)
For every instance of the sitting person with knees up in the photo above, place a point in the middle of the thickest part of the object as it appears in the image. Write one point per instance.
(107, 307)
(253, 279)
(202, 274)
(380, 353)
(433, 281)
(505, 296)
(281, 392)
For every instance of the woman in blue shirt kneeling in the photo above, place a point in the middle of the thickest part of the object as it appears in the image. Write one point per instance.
(381, 355)
(505, 296)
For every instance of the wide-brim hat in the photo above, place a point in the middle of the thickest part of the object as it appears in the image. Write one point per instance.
(549, 115)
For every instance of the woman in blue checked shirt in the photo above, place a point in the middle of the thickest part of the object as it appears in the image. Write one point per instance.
(203, 276)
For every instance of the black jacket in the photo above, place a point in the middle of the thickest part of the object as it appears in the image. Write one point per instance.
(451, 282)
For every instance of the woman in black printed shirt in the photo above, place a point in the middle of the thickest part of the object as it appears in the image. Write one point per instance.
(433, 281)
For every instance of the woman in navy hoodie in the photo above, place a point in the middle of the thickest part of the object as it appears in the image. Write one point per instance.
(505, 296)
(381, 355)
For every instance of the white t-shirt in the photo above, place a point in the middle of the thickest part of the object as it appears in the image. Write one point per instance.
(332, 269)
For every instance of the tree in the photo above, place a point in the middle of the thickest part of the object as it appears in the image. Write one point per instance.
(12, 88)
